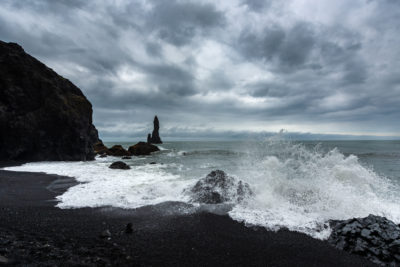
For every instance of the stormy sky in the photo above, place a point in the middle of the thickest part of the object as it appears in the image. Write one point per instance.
(221, 68)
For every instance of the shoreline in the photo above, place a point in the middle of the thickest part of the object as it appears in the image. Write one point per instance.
(35, 232)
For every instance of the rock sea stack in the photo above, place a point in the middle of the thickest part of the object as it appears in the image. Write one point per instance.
(43, 116)
(142, 149)
(154, 138)
(217, 187)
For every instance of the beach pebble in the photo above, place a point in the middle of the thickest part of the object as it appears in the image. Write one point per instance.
(129, 228)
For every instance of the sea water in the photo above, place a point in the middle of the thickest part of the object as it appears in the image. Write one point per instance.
(297, 185)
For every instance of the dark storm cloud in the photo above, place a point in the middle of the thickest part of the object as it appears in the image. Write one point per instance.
(262, 46)
(272, 89)
(179, 22)
(154, 49)
(221, 68)
(355, 72)
(291, 48)
(50, 5)
(171, 79)
(257, 5)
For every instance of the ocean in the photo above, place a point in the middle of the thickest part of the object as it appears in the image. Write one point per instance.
(298, 185)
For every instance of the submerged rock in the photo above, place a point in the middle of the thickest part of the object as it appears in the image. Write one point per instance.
(217, 187)
(119, 165)
(126, 157)
(374, 237)
(155, 136)
(43, 116)
(142, 148)
(118, 151)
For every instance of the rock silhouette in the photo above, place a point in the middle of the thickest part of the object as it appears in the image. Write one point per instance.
(142, 148)
(43, 116)
(154, 138)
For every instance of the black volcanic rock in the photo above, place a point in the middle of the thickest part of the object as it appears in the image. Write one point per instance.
(119, 165)
(142, 149)
(154, 138)
(374, 237)
(100, 148)
(118, 151)
(43, 116)
(217, 187)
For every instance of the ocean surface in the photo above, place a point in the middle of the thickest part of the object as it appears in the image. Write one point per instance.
(299, 185)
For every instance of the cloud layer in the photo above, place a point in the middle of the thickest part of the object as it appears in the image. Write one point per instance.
(221, 67)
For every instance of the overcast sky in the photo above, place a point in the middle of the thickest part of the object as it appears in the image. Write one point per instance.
(213, 67)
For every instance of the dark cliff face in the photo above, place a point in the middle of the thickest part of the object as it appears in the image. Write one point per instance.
(155, 136)
(43, 116)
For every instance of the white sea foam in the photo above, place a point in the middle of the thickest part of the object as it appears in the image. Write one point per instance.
(294, 187)
(302, 189)
(101, 186)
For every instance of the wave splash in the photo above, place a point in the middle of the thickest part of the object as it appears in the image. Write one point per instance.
(296, 187)
(302, 189)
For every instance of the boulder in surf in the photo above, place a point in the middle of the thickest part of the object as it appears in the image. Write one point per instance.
(218, 187)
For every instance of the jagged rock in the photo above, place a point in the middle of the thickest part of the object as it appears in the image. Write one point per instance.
(218, 187)
(43, 116)
(118, 151)
(100, 148)
(126, 157)
(119, 165)
(155, 136)
(373, 237)
(142, 148)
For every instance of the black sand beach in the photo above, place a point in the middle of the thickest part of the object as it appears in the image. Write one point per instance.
(33, 232)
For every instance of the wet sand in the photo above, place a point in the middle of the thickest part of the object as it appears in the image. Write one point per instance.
(34, 232)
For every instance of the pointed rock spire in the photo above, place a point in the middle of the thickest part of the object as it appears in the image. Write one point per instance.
(155, 136)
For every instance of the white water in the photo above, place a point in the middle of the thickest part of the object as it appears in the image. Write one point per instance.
(305, 188)
(297, 188)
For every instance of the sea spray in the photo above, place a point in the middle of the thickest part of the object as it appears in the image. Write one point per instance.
(302, 188)
(297, 186)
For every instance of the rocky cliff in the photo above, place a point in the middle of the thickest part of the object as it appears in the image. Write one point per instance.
(43, 116)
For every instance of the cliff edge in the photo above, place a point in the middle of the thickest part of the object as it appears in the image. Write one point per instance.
(43, 116)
